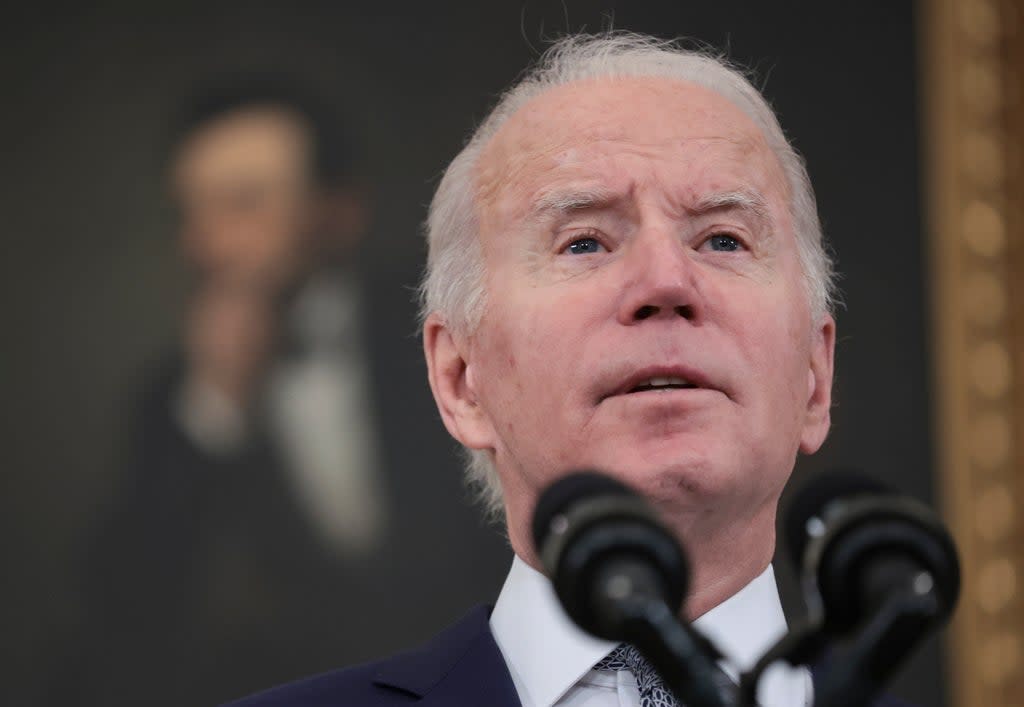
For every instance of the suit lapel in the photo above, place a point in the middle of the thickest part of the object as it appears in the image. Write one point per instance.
(460, 666)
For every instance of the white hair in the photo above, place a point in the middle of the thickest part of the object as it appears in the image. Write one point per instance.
(453, 284)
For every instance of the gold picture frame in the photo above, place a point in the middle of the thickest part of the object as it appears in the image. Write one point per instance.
(973, 119)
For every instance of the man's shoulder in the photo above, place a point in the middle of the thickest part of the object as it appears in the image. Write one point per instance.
(346, 686)
(461, 665)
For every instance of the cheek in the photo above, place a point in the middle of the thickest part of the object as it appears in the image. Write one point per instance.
(785, 363)
(497, 365)
(501, 360)
(528, 362)
(775, 335)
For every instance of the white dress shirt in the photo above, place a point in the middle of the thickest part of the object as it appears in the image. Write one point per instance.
(551, 660)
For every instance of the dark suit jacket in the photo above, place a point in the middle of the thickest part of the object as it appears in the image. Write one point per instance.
(461, 667)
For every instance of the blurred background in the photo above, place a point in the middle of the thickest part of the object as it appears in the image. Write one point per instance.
(211, 240)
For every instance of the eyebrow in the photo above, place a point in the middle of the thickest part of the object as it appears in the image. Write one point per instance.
(741, 199)
(561, 202)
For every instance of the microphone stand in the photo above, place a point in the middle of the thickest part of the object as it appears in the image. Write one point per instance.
(874, 654)
(685, 659)
(879, 573)
(800, 646)
(881, 646)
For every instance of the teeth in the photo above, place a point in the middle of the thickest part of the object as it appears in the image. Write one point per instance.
(672, 380)
(662, 383)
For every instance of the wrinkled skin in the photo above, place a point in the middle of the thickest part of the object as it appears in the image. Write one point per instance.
(639, 228)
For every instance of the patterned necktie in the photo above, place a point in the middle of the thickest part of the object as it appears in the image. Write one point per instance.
(653, 692)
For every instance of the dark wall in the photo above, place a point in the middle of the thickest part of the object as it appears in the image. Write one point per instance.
(90, 287)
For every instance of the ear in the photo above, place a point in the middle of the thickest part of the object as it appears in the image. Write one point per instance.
(450, 373)
(817, 418)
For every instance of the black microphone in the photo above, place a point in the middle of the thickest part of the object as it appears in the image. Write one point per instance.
(620, 575)
(859, 543)
(591, 532)
(879, 572)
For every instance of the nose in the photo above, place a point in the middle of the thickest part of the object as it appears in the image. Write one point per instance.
(660, 281)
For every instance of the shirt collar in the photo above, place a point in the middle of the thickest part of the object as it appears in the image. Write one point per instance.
(547, 653)
(746, 624)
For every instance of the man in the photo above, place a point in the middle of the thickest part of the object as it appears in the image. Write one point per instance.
(270, 220)
(260, 502)
(626, 272)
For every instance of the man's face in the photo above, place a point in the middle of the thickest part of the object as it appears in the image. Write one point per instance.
(645, 312)
(242, 183)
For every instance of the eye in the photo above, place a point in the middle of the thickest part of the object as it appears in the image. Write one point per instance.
(724, 243)
(583, 246)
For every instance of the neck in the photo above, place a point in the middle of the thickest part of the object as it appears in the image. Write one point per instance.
(723, 563)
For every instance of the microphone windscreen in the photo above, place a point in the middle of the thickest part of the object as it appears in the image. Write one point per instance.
(813, 499)
(563, 493)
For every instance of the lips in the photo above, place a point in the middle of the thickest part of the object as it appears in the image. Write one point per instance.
(660, 378)
(663, 383)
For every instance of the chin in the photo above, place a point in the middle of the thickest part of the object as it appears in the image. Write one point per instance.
(678, 477)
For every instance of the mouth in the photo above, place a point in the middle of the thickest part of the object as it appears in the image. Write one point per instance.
(662, 383)
(658, 381)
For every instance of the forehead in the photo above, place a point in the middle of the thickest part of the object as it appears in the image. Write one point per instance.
(249, 144)
(602, 128)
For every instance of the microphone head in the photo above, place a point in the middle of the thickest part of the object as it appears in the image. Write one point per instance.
(856, 540)
(568, 490)
(586, 525)
(819, 496)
